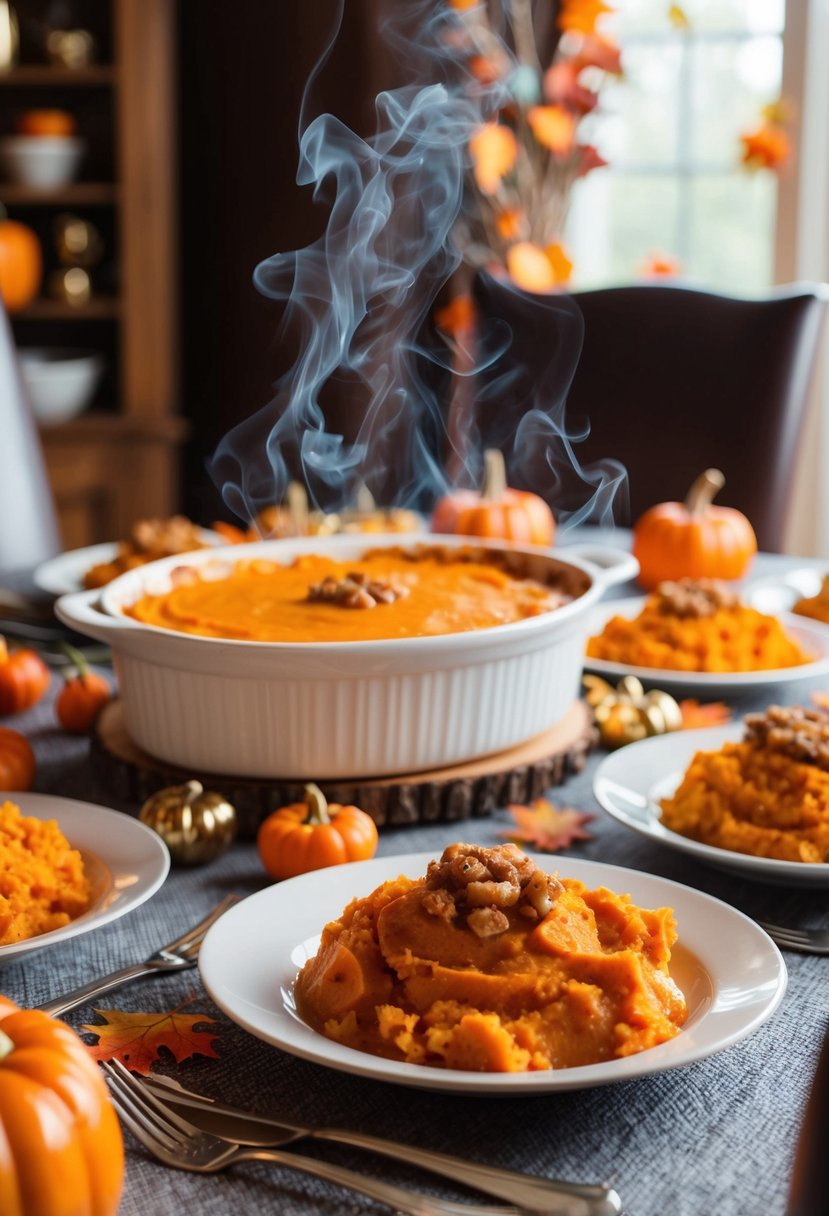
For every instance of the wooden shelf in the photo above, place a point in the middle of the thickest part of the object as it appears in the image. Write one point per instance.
(168, 428)
(77, 194)
(28, 75)
(104, 308)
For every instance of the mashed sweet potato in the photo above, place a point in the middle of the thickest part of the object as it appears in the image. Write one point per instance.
(767, 795)
(815, 606)
(488, 964)
(42, 880)
(690, 626)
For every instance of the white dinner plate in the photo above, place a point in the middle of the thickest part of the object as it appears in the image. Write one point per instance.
(779, 593)
(812, 636)
(731, 973)
(65, 573)
(631, 782)
(126, 863)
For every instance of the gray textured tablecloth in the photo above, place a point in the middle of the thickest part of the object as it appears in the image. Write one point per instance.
(713, 1139)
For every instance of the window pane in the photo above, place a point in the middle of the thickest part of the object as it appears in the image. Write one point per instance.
(732, 81)
(617, 221)
(732, 227)
(640, 113)
(651, 16)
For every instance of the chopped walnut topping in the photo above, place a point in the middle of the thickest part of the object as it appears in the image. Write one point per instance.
(487, 922)
(166, 536)
(688, 597)
(357, 590)
(802, 734)
(483, 883)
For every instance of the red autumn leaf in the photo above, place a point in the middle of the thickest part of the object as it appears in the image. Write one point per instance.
(546, 827)
(716, 713)
(135, 1038)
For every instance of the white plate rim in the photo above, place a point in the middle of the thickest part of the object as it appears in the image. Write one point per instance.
(63, 574)
(675, 751)
(811, 634)
(107, 835)
(312, 899)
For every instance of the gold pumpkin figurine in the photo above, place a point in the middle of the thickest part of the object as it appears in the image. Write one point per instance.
(627, 713)
(196, 825)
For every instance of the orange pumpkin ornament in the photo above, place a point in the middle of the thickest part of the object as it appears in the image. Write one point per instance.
(694, 539)
(311, 835)
(61, 1152)
(17, 766)
(82, 696)
(497, 511)
(21, 264)
(24, 678)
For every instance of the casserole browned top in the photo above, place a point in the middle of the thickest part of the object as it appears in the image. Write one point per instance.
(384, 593)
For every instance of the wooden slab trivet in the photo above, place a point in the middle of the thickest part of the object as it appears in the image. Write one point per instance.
(460, 792)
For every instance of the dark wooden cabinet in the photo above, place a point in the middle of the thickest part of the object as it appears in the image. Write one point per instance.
(118, 461)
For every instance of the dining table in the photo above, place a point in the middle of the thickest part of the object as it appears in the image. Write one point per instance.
(714, 1138)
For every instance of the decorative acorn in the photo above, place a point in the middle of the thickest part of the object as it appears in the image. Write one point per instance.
(196, 825)
(627, 713)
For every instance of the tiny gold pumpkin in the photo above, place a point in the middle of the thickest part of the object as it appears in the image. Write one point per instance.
(197, 825)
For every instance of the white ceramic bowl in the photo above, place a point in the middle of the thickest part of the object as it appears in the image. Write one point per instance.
(60, 382)
(41, 161)
(323, 710)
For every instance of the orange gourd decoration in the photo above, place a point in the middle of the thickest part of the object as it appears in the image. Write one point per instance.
(21, 264)
(17, 764)
(51, 124)
(24, 678)
(82, 696)
(310, 835)
(694, 539)
(498, 511)
(61, 1152)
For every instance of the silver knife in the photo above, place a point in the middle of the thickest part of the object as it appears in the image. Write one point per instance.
(542, 1195)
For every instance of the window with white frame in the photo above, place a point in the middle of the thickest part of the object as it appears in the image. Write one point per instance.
(675, 187)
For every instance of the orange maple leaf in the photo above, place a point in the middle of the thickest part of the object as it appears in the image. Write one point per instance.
(716, 713)
(766, 148)
(547, 827)
(580, 16)
(135, 1038)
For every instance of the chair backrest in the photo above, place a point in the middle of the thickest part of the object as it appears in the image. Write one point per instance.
(28, 521)
(673, 381)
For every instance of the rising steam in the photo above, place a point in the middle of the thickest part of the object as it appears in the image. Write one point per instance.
(360, 299)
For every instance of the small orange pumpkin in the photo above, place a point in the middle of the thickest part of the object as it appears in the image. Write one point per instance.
(24, 678)
(311, 835)
(82, 696)
(46, 123)
(61, 1151)
(694, 539)
(21, 264)
(17, 763)
(498, 511)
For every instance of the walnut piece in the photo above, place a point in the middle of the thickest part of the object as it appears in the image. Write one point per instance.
(802, 734)
(356, 590)
(482, 883)
(688, 597)
(163, 537)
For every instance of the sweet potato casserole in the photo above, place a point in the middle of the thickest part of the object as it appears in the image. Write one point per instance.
(767, 795)
(42, 880)
(385, 593)
(489, 964)
(697, 626)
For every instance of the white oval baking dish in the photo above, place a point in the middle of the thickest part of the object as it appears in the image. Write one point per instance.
(323, 710)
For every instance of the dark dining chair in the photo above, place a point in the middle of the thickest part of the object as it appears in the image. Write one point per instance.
(672, 380)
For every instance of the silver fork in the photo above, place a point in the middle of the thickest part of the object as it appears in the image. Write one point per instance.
(803, 941)
(179, 955)
(175, 1142)
(245, 1128)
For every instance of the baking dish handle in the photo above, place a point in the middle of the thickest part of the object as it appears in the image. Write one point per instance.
(80, 610)
(609, 566)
